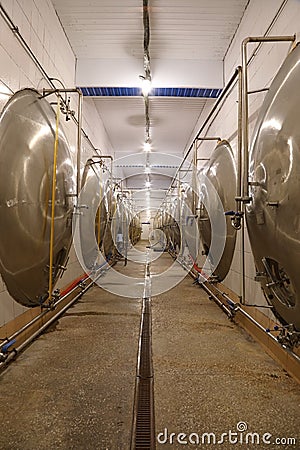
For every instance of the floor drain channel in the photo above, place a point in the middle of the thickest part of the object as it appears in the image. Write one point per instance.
(143, 429)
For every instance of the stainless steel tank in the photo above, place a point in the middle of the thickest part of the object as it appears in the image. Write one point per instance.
(120, 225)
(27, 134)
(273, 217)
(135, 229)
(220, 171)
(93, 212)
(188, 221)
(108, 241)
(173, 225)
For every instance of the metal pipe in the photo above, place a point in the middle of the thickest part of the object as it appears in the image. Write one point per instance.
(111, 172)
(239, 139)
(39, 316)
(257, 324)
(213, 138)
(17, 34)
(24, 44)
(194, 177)
(249, 317)
(79, 126)
(40, 330)
(218, 301)
(111, 165)
(245, 120)
(213, 110)
(240, 207)
(50, 321)
(256, 91)
(245, 193)
(243, 273)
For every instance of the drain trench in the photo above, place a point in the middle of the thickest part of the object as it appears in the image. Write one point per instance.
(143, 426)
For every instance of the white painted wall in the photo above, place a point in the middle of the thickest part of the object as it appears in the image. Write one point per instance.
(257, 19)
(40, 27)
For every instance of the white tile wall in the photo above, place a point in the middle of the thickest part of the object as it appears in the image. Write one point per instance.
(38, 23)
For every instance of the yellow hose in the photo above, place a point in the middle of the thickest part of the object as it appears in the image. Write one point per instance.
(53, 201)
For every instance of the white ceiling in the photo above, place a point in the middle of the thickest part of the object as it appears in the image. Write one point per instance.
(189, 39)
(180, 29)
(171, 121)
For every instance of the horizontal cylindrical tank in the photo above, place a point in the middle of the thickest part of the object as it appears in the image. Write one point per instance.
(273, 216)
(219, 176)
(27, 136)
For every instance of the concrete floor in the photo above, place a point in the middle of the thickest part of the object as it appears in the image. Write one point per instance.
(210, 375)
(73, 388)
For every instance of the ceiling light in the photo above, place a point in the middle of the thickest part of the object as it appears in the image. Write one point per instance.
(146, 85)
(147, 146)
(148, 184)
(147, 170)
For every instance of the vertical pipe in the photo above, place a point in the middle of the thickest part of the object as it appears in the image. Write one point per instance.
(243, 273)
(194, 181)
(240, 142)
(99, 211)
(239, 204)
(243, 140)
(245, 119)
(245, 193)
(79, 126)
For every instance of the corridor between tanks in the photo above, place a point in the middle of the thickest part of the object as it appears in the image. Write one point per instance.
(73, 388)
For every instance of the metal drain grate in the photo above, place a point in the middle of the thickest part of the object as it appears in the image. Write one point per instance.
(143, 430)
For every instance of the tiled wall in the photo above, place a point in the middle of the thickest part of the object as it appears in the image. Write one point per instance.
(41, 29)
(256, 21)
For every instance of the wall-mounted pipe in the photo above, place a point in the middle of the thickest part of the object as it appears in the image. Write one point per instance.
(245, 107)
(236, 308)
(45, 311)
(111, 173)
(215, 107)
(17, 350)
(240, 141)
(15, 30)
(209, 138)
(46, 92)
(79, 127)
(67, 293)
(240, 207)
(218, 301)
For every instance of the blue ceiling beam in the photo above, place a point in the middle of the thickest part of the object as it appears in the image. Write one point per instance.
(156, 92)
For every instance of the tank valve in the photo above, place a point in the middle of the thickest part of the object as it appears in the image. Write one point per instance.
(236, 218)
(273, 204)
